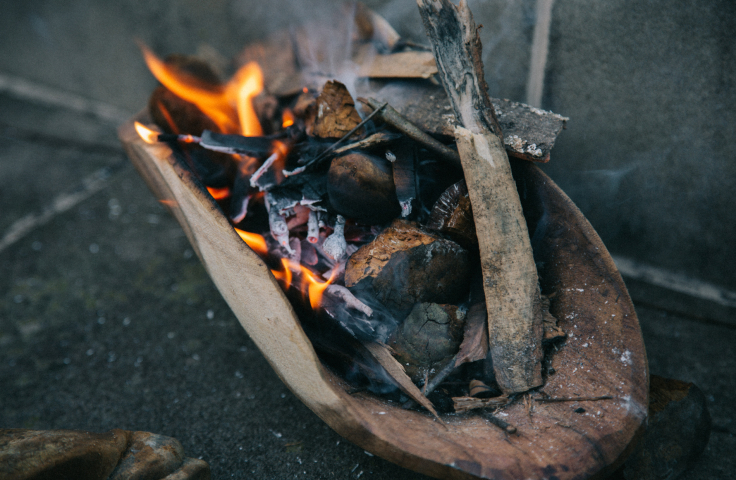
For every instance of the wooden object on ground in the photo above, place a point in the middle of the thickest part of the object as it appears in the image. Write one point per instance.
(509, 273)
(677, 432)
(336, 114)
(554, 441)
(114, 455)
(529, 133)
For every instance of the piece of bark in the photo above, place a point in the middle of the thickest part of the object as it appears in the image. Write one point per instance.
(529, 132)
(552, 331)
(509, 273)
(474, 346)
(377, 140)
(336, 114)
(396, 370)
(361, 186)
(465, 404)
(409, 64)
(404, 176)
(428, 338)
(404, 265)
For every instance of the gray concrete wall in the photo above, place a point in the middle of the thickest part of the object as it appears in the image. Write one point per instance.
(648, 154)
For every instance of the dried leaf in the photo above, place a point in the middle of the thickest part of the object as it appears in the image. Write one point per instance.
(475, 335)
(336, 114)
(383, 355)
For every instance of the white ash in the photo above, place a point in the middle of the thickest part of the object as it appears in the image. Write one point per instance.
(277, 224)
(242, 211)
(313, 227)
(339, 268)
(351, 301)
(263, 169)
(296, 171)
(406, 207)
(335, 245)
(390, 156)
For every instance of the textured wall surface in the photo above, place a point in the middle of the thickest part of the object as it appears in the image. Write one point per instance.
(649, 152)
(648, 86)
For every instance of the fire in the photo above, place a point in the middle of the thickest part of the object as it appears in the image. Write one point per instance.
(219, 193)
(165, 112)
(315, 288)
(287, 118)
(230, 106)
(246, 84)
(254, 241)
(148, 135)
(284, 275)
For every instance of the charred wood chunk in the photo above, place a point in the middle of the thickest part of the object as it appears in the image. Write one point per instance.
(452, 215)
(428, 338)
(404, 265)
(336, 113)
(404, 176)
(361, 187)
(175, 115)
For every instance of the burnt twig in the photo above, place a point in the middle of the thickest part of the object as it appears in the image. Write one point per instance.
(503, 425)
(402, 124)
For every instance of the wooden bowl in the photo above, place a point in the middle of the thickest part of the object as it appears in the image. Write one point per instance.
(603, 354)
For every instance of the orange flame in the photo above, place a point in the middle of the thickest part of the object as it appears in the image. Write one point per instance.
(316, 289)
(229, 107)
(246, 84)
(256, 242)
(169, 119)
(284, 275)
(148, 135)
(219, 193)
(287, 118)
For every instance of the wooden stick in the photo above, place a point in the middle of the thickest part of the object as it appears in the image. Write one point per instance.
(402, 124)
(509, 274)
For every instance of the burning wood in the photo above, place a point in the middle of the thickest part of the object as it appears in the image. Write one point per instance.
(331, 208)
(338, 309)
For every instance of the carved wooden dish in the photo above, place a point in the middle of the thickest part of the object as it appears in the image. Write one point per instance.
(603, 354)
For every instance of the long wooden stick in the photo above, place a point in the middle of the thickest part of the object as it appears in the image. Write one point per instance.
(509, 274)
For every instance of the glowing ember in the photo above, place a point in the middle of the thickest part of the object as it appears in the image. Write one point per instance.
(287, 118)
(148, 135)
(256, 242)
(219, 193)
(230, 106)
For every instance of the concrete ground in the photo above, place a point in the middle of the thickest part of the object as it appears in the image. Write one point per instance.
(108, 320)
